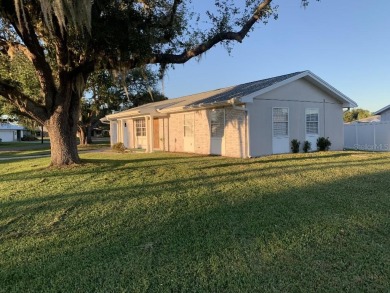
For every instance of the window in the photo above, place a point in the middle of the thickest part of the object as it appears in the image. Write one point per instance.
(312, 121)
(280, 121)
(188, 125)
(217, 122)
(140, 127)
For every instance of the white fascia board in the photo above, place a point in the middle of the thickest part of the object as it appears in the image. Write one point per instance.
(199, 107)
(379, 112)
(124, 114)
(346, 102)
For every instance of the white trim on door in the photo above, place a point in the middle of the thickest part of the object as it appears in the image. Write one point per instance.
(281, 133)
(312, 132)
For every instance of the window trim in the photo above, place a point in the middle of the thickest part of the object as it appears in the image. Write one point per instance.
(288, 122)
(140, 129)
(223, 124)
(318, 121)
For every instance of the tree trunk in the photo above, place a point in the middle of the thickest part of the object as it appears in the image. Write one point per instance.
(82, 135)
(62, 130)
(89, 134)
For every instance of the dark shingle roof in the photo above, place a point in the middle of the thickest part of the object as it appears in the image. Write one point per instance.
(242, 90)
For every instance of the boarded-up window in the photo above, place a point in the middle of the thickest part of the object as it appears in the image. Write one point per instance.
(217, 122)
(140, 127)
(188, 125)
(312, 121)
(280, 121)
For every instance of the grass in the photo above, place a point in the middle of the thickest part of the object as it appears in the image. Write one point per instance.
(27, 149)
(185, 223)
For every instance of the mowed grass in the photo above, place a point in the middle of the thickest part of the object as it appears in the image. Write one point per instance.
(29, 149)
(161, 222)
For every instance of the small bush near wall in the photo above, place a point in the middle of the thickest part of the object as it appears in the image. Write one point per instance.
(119, 147)
(306, 146)
(28, 138)
(323, 144)
(295, 145)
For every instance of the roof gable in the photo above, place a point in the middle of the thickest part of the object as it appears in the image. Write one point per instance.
(312, 78)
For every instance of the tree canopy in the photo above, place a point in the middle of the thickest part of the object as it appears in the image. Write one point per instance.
(66, 41)
(106, 92)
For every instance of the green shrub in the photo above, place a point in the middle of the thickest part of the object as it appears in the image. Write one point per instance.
(119, 147)
(306, 146)
(295, 145)
(323, 144)
(28, 138)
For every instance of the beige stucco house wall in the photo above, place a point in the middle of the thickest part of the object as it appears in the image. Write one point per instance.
(248, 120)
(296, 97)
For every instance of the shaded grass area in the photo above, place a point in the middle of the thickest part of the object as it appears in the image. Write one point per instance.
(26, 149)
(178, 223)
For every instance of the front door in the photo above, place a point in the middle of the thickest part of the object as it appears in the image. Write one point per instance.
(156, 133)
(189, 145)
(312, 126)
(280, 131)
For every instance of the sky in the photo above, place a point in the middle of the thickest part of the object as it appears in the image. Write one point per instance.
(344, 42)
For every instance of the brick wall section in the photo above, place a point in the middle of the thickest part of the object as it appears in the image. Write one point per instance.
(176, 132)
(235, 133)
(202, 132)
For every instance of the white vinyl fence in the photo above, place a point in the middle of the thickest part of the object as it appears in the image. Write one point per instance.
(367, 136)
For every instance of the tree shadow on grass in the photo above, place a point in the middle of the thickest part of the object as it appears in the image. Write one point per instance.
(328, 236)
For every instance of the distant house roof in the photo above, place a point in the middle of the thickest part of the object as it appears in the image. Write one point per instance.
(238, 94)
(384, 109)
(10, 126)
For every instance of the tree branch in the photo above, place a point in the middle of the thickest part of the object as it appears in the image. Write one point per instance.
(44, 73)
(9, 48)
(22, 102)
(238, 36)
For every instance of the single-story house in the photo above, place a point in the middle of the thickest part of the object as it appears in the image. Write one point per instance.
(384, 113)
(247, 120)
(11, 132)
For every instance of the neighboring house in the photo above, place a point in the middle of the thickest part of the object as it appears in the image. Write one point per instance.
(371, 136)
(384, 113)
(11, 132)
(248, 120)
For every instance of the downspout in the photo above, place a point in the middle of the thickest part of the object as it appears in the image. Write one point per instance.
(168, 130)
(163, 141)
(324, 118)
(247, 139)
(151, 129)
(224, 137)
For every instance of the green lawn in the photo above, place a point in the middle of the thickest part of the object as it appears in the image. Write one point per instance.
(179, 223)
(27, 149)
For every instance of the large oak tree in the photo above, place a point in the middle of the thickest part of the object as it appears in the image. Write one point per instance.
(67, 40)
